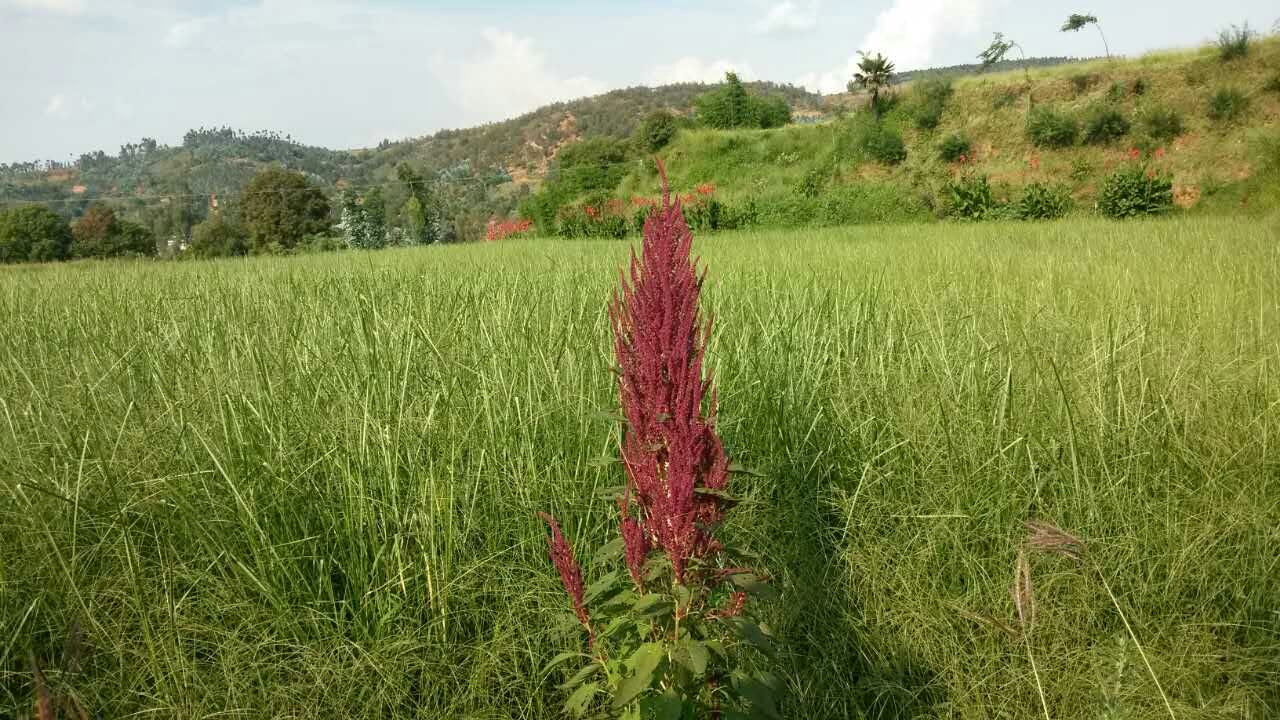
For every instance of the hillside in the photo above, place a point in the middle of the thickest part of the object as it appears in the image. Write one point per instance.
(827, 173)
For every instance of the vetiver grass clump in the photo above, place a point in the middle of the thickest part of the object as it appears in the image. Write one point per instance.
(306, 487)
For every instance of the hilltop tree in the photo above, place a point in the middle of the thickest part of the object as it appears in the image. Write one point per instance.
(996, 51)
(100, 234)
(33, 233)
(656, 131)
(731, 106)
(280, 207)
(875, 73)
(1076, 21)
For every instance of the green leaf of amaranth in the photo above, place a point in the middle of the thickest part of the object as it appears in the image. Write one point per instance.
(644, 664)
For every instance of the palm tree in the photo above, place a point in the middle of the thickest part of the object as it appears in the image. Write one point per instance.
(1077, 21)
(875, 72)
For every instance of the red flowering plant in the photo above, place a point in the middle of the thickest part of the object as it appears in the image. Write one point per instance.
(502, 229)
(670, 632)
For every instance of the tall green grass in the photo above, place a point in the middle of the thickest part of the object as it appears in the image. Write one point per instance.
(304, 488)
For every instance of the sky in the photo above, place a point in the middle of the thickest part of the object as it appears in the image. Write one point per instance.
(85, 75)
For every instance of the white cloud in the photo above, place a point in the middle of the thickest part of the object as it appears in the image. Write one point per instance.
(907, 33)
(56, 105)
(509, 78)
(695, 69)
(789, 16)
(58, 7)
(182, 33)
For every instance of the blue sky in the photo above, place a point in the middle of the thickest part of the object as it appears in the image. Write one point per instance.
(83, 75)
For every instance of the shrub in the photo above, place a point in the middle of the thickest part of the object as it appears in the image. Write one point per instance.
(883, 143)
(772, 112)
(1161, 123)
(953, 147)
(1139, 87)
(970, 198)
(656, 629)
(1043, 202)
(216, 237)
(33, 233)
(100, 234)
(1081, 169)
(1233, 42)
(1081, 82)
(656, 131)
(1048, 128)
(1227, 105)
(1104, 123)
(811, 184)
(929, 100)
(1133, 191)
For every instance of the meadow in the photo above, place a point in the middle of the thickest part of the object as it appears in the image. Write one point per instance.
(305, 487)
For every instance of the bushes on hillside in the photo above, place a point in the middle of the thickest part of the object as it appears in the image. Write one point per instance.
(656, 131)
(970, 198)
(1227, 105)
(1233, 42)
(33, 233)
(1160, 123)
(1043, 202)
(1135, 191)
(929, 100)
(1104, 123)
(1049, 128)
(731, 106)
(883, 143)
(953, 147)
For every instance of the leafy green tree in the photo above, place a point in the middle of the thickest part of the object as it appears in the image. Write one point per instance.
(658, 128)
(363, 222)
(996, 51)
(875, 73)
(100, 234)
(33, 233)
(218, 237)
(772, 112)
(1076, 21)
(280, 207)
(727, 107)
(421, 211)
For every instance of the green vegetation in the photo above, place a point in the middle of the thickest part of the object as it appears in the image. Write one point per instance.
(882, 143)
(1161, 124)
(1041, 201)
(1104, 123)
(33, 234)
(305, 486)
(971, 198)
(1135, 190)
(100, 234)
(656, 131)
(874, 74)
(280, 207)
(953, 147)
(1233, 42)
(1228, 105)
(1049, 128)
(731, 107)
(929, 100)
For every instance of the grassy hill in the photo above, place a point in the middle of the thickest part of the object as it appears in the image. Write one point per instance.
(824, 173)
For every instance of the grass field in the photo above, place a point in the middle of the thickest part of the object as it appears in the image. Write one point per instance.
(305, 487)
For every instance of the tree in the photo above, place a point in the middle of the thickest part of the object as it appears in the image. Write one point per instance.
(218, 237)
(996, 51)
(1076, 21)
(100, 234)
(658, 128)
(33, 233)
(728, 107)
(363, 225)
(875, 72)
(280, 207)
(421, 210)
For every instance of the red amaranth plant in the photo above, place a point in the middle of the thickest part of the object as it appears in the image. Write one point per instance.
(671, 642)
(502, 229)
